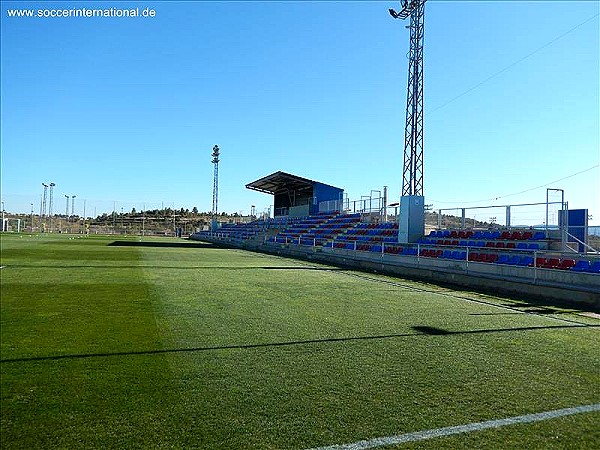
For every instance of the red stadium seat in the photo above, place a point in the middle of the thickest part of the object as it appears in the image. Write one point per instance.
(539, 262)
(566, 264)
(551, 263)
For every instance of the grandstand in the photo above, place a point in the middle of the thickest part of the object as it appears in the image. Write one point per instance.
(524, 260)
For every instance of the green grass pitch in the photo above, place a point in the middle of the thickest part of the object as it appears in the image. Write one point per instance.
(163, 343)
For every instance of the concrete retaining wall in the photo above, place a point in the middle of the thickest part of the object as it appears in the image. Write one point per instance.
(566, 287)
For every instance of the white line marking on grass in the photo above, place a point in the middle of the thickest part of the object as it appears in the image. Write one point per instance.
(447, 431)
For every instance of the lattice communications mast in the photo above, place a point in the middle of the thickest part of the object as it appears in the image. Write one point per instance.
(412, 211)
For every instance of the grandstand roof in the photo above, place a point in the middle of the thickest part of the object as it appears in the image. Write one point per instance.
(281, 182)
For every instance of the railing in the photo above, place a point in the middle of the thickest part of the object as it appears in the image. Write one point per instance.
(536, 215)
(412, 255)
(366, 205)
(586, 246)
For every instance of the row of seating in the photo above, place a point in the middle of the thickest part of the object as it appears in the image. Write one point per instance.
(514, 260)
(373, 232)
(239, 230)
(488, 244)
(345, 219)
(586, 266)
(446, 254)
(317, 230)
(350, 234)
(384, 225)
(569, 264)
(517, 235)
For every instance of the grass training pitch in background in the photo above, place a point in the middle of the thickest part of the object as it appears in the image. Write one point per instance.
(164, 343)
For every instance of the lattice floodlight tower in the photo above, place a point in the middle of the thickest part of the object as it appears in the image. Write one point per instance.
(215, 161)
(43, 209)
(51, 207)
(412, 201)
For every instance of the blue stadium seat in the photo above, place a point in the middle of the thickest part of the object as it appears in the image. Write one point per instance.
(503, 259)
(526, 261)
(582, 266)
(595, 267)
(514, 260)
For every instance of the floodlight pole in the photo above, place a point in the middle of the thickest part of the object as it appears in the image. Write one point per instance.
(45, 197)
(412, 175)
(51, 207)
(73, 205)
(215, 161)
(67, 207)
(411, 224)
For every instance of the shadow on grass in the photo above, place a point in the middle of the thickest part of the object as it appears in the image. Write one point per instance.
(432, 331)
(497, 314)
(174, 244)
(528, 310)
(137, 266)
(510, 301)
(421, 330)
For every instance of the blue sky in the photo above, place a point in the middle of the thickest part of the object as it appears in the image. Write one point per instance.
(125, 111)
